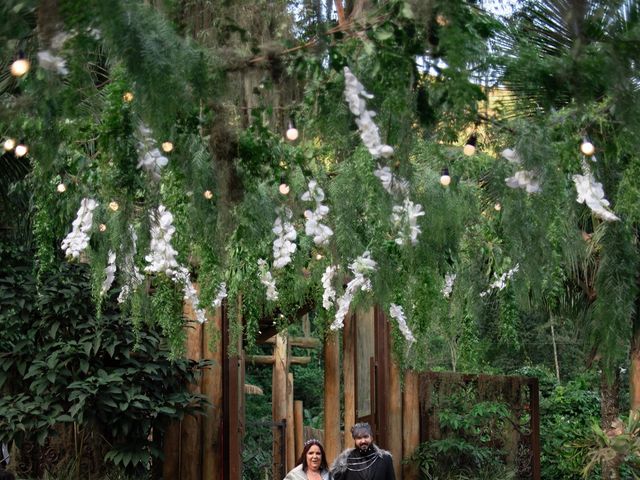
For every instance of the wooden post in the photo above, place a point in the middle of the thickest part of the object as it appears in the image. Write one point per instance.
(191, 433)
(410, 423)
(298, 416)
(349, 377)
(279, 396)
(233, 396)
(291, 433)
(395, 416)
(331, 396)
(212, 389)
(171, 464)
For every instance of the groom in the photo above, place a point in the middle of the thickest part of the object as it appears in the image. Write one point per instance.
(364, 462)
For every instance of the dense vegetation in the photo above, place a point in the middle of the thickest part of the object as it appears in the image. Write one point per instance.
(165, 121)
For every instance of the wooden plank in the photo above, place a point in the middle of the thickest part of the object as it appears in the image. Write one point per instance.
(233, 396)
(171, 464)
(270, 360)
(212, 388)
(394, 401)
(291, 434)
(298, 420)
(349, 377)
(302, 342)
(191, 431)
(332, 442)
(279, 397)
(410, 424)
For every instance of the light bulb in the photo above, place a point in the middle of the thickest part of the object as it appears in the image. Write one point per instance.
(102, 227)
(127, 97)
(61, 188)
(9, 144)
(284, 188)
(208, 194)
(20, 67)
(167, 147)
(292, 132)
(587, 148)
(445, 179)
(497, 207)
(21, 150)
(114, 206)
(319, 256)
(470, 147)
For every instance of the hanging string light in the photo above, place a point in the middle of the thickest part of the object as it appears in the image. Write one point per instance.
(470, 147)
(497, 207)
(445, 179)
(208, 194)
(114, 206)
(61, 188)
(102, 227)
(127, 97)
(587, 148)
(284, 188)
(167, 147)
(20, 66)
(292, 132)
(21, 150)
(9, 144)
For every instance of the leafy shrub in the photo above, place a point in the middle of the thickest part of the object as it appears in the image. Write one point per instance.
(566, 416)
(66, 366)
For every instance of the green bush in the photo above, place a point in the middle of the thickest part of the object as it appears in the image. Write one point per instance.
(566, 416)
(63, 365)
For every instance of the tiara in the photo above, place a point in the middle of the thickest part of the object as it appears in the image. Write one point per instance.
(312, 440)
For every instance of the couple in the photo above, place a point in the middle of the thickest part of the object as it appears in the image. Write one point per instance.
(365, 461)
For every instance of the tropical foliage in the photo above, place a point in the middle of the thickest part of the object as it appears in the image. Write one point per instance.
(165, 121)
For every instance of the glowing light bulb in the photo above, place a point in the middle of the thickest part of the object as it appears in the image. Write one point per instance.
(587, 148)
(208, 194)
(20, 67)
(470, 147)
(21, 150)
(284, 189)
(9, 144)
(497, 207)
(127, 97)
(319, 256)
(167, 147)
(114, 206)
(61, 188)
(292, 132)
(445, 179)
(102, 227)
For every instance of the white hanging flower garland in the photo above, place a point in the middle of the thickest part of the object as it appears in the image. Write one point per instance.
(162, 258)
(329, 293)
(449, 280)
(150, 158)
(500, 282)
(221, 295)
(110, 273)
(283, 246)
(405, 219)
(396, 312)
(267, 280)
(591, 194)
(314, 227)
(77, 240)
(360, 267)
(182, 275)
(133, 277)
(404, 216)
